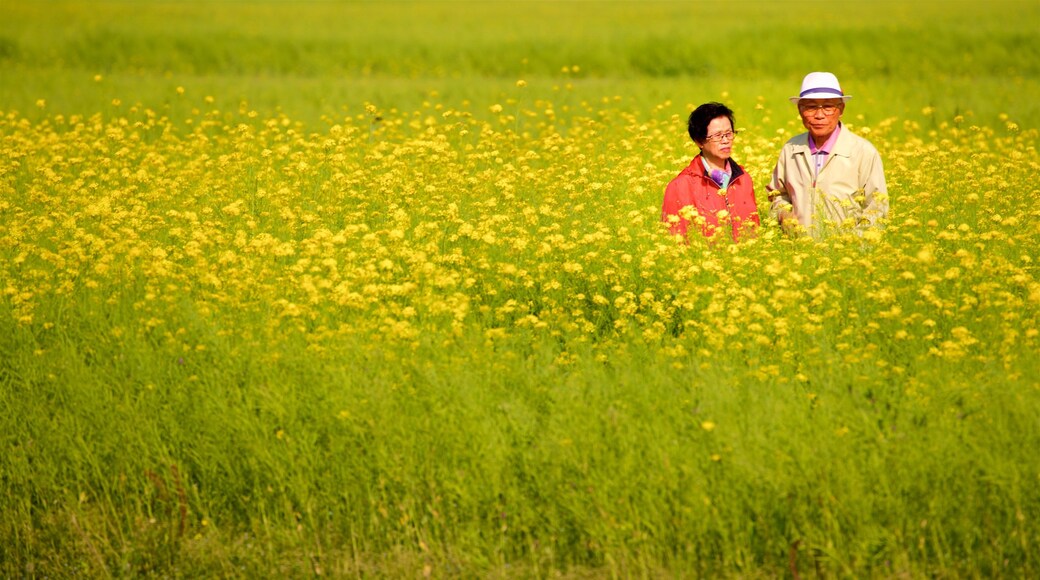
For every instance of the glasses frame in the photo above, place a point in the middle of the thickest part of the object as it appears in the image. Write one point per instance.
(723, 135)
(811, 109)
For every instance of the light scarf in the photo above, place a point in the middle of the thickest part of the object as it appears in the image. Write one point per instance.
(720, 177)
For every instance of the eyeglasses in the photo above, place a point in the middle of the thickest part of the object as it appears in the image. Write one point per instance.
(811, 109)
(723, 136)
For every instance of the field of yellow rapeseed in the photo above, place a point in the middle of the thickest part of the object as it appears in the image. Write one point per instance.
(255, 230)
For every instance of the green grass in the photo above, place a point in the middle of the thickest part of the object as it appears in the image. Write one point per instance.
(323, 58)
(252, 328)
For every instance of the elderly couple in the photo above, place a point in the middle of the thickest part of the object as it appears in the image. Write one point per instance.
(826, 178)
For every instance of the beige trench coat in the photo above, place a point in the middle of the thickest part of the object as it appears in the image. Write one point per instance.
(849, 193)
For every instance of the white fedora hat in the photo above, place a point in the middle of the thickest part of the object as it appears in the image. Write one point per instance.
(820, 85)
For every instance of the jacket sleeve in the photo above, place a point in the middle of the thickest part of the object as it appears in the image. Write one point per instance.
(754, 214)
(779, 198)
(676, 196)
(875, 192)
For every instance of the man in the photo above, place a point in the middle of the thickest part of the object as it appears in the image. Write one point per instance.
(827, 178)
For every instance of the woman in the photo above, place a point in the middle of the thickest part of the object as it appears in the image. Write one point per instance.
(713, 191)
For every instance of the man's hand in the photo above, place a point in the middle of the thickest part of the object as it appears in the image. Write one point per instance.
(788, 221)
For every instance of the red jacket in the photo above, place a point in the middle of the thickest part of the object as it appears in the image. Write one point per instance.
(693, 187)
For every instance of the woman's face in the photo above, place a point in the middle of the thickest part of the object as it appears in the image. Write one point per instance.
(718, 145)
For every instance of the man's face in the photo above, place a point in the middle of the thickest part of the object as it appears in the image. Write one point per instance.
(821, 116)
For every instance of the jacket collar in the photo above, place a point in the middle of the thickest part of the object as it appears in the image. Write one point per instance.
(697, 168)
(842, 147)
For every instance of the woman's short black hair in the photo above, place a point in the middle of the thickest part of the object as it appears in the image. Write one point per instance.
(702, 116)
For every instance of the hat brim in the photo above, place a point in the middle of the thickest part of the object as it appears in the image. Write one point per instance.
(820, 96)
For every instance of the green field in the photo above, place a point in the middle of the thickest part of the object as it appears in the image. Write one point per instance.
(379, 289)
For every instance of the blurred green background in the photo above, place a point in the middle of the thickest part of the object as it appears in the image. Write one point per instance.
(314, 60)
